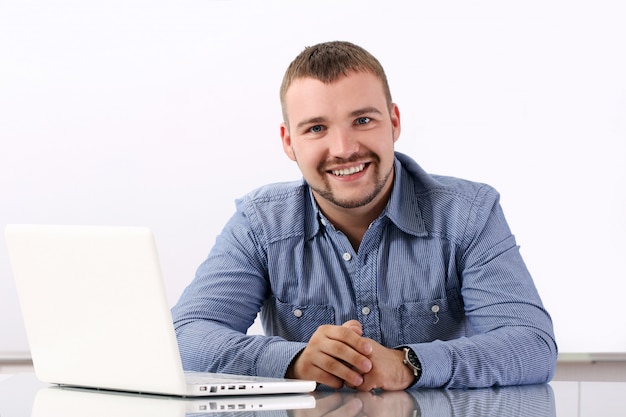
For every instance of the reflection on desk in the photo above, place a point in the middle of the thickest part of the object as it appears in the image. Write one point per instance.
(528, 401)
(75, 402)
(536, 400)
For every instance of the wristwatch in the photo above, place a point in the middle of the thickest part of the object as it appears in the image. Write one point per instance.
(411, 360)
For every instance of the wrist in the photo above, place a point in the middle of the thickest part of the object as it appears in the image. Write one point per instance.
(290, 373)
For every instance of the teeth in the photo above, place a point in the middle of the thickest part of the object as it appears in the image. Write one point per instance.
(348, 171)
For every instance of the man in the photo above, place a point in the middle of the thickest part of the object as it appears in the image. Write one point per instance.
(369, 273)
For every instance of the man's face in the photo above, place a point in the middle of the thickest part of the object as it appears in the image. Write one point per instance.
(342, 136)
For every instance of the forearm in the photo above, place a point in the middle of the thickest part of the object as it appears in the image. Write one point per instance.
(211, 347)
(506, 356)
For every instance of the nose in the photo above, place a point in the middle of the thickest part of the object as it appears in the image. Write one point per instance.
(343, 143)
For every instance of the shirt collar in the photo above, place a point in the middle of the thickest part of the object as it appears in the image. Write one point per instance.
(403, 207)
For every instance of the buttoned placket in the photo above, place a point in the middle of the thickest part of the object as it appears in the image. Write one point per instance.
(366, 281)
(362, 268)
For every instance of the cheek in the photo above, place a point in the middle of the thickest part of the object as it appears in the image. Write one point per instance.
(306, 164)
(308, 155)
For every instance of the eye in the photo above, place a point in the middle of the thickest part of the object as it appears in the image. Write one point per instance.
(316, 129)
(362, 120)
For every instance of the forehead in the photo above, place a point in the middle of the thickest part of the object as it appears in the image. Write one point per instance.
(356, 89)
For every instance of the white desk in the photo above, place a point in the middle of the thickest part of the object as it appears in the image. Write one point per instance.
(22, 395)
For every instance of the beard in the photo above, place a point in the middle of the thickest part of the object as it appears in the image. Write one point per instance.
(380, 179)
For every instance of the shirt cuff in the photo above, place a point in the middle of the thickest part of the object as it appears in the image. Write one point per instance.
(436, 365)
(276, 358)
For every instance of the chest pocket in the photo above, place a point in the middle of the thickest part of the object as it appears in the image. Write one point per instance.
(295, 322)
(438, 319)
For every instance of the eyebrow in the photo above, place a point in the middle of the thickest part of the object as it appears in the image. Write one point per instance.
(365, 110)
(313, 120)
(355, 113)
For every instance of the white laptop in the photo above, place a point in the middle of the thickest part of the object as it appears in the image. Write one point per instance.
(96, 314)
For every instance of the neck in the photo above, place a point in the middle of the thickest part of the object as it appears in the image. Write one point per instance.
(354, 222)
(353, 225)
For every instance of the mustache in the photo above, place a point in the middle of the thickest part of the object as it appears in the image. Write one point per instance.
(355, 157)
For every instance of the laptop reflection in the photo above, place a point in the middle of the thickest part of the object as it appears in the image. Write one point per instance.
(57, 401)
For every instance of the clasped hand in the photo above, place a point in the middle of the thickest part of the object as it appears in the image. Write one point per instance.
(340, 355)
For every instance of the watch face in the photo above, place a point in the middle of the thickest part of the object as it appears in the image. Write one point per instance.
(413, 358)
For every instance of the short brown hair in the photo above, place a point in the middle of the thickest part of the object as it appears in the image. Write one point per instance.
(327, 62)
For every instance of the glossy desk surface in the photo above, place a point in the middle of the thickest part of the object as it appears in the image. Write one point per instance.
(22, 395)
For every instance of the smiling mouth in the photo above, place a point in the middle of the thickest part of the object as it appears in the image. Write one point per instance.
(348, 171)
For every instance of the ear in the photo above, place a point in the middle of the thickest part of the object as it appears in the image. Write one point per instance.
(286, 139)
(395, 121)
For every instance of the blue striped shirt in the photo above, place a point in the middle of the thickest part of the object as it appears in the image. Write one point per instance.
(439, 271)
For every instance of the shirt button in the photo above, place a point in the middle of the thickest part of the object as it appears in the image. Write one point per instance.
(297, 313)
(365, 310)
(347, 256)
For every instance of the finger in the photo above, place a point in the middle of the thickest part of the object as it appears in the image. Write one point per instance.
(347, 335)
(341, 355)
(319, 363)
(340, 369)
(347, 346)
(355, 326)
(309, 368)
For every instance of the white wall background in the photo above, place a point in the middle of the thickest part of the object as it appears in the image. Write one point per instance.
(160, 113)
